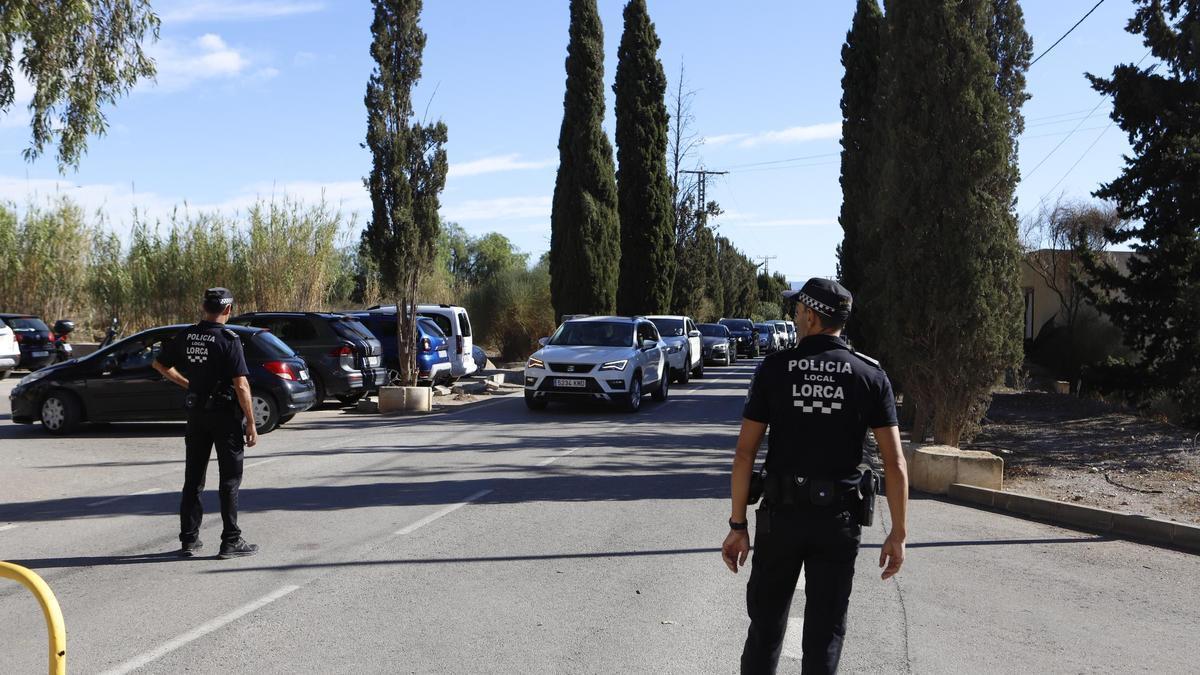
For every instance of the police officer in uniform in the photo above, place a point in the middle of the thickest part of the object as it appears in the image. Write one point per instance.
(818, 399)
(214, 374)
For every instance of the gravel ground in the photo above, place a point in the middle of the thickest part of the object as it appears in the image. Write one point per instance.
(1064, 448)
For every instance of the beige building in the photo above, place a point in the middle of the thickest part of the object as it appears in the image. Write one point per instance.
(1045, 270)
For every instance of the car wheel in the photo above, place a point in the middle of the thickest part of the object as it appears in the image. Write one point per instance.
(534, 403)
(633, 400)
(285, 419)
(660, 392)
(319, 388)
(60, 413)
(685, 373)
(3, 374)
(351, 399)
(266, 411)
(698, 373)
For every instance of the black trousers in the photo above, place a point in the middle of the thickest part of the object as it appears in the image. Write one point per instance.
(823, 543)
(205, 429)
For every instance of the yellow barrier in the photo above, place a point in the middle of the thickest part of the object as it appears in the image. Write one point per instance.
(54, 620)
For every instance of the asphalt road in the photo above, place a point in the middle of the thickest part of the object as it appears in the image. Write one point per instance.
(495, 540)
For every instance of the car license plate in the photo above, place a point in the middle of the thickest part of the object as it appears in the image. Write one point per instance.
(40, 354)
(372, 361)
(441, 353)
(569, 383)
(304, 376)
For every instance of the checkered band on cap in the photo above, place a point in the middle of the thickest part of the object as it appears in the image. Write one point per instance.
(815, 304)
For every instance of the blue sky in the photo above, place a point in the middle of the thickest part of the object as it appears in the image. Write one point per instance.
(264, 97)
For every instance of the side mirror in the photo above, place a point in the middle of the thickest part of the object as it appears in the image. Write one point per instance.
(543, 341)
(109, 364)
(647, 345)
(694, 333)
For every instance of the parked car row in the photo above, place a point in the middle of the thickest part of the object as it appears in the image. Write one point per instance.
(296, 360)
(621, 359)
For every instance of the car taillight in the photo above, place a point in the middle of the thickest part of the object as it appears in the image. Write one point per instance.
(458, 342)
(283, 370)
(344, 350)
(16, 337)
(426, 345)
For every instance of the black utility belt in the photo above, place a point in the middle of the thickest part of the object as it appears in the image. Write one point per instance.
(793, 490)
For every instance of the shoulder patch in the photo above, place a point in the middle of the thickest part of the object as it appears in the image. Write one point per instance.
(230, 333)
(867, 359)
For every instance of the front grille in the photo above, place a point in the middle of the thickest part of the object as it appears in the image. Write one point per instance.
(571, 367)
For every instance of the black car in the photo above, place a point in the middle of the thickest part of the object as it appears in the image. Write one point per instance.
(344, 358)
(119, 384)
(33, 337)
(745, 333)
(717, 344)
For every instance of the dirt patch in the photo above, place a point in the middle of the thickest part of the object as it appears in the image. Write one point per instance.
(1061, 447)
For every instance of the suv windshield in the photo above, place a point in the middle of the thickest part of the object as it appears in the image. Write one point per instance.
(28, 323)
(593, 334)
(737, 324)
(713, 330)
(669, 327)
(765, 327)
(351, 329)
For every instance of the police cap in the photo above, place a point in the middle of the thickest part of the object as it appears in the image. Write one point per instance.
(825, 297)
(217, 299)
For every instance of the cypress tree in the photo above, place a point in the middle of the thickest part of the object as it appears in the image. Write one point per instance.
(951, 307)
(645, 198)
(584, 230)
(408, 168)
(1156, 303)
(860, 58)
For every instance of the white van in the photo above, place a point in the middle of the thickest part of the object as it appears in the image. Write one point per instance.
(10, 352)
(456, 324)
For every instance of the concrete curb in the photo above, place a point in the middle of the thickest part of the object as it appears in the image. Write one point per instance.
(1089, 519)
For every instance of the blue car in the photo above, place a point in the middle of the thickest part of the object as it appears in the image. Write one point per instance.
(433, 358)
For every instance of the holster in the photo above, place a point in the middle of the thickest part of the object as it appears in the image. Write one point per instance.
(868, 488)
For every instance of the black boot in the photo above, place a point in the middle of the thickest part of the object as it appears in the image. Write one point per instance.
(190, 548)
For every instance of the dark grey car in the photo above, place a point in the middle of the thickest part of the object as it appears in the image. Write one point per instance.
(717, 344)
(344, 358)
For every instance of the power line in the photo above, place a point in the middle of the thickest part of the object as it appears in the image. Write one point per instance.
(783, 161)
(1064, 36)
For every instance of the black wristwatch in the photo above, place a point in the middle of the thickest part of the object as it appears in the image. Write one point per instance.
(737, 526)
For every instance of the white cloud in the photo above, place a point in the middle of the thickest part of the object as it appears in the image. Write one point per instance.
(236, 10)
(800, 134)
(505, 208)
(497, 164)
(206, 58)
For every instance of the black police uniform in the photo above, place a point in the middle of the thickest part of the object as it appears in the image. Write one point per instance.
(210, 356)
(819, 399)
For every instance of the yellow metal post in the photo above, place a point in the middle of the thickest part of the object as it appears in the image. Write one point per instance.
(54, 620)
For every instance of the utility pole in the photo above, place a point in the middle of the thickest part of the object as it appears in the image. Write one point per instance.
(766, 263)
(702, 207)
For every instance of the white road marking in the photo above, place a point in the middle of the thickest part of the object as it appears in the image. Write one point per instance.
(8, 527)
(197, 633)
(110, 500)
(438, 514)
(550, 460)
(265, 461)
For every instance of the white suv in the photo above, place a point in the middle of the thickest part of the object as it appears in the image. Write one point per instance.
(608, 358)
(10, 353)
(685, 351)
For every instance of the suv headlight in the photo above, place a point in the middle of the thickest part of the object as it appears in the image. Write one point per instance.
(535, 362)
(674, 349)
(615, 365)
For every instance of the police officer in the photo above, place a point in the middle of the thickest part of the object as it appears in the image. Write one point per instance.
(818, 399)
(218, 400)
